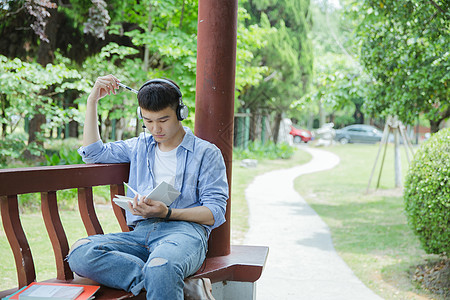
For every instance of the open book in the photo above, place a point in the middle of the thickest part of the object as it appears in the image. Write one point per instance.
(164, 192)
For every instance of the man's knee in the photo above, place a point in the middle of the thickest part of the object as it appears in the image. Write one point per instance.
(157, 261)
(79, 243)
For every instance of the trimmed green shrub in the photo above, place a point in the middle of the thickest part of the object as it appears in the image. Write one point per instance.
(427, 193)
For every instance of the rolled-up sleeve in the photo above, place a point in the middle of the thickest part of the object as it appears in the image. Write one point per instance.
(115, 152)
(213, 187)
(87, 153)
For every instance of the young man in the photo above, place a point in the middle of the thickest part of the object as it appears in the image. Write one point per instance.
(167, 244)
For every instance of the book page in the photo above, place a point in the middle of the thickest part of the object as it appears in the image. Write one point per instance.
(164, 192)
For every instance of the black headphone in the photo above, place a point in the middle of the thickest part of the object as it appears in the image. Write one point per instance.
(182, 110)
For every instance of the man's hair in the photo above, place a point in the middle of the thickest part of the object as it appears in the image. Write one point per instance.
(156, 96)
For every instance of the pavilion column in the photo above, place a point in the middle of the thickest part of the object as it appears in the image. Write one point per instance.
(214, 104)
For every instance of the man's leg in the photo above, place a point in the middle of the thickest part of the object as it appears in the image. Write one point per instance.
(115, 260)
(174, 257)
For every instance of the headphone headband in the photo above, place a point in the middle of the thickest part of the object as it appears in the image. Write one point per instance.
(160, 80)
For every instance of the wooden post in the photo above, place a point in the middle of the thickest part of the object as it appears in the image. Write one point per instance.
(214, 105)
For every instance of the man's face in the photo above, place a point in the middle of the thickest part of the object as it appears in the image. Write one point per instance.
(163, 125)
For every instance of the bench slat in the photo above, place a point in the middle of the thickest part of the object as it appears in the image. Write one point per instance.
(56, 233)
(18, 241)
(118, 189)
(87, 211)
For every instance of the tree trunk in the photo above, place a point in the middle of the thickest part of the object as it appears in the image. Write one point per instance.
(70, 102)
(254, 126)
(35, 129)
(120, 128)
(5, 104)
(147, 50)
(107, 127)
(276, 128)
(434, 126)
(321, 114)
(45, 56)
(182, 14)
(397, 161)
(73, 129)
(310, 122)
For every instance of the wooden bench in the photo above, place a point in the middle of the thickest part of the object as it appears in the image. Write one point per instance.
(244, 264)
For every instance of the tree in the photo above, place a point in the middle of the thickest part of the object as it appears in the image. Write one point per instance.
(404, 49)
(339, 83)
(56, 31)
(287, 56)
(134, 39)
(29, 89)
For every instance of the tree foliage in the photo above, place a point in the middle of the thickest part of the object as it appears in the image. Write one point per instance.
(28, 89)
(339, 83)
(287, 56)
(405, 49)
(133, 39)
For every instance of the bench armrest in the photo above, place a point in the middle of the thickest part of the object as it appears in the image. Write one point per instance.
(244, 263)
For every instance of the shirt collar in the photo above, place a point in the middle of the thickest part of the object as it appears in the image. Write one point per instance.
(188, 140)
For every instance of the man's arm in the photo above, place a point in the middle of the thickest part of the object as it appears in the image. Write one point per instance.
(199, 214)
(103, 86)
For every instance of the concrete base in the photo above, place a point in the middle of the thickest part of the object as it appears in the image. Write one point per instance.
(232, 290)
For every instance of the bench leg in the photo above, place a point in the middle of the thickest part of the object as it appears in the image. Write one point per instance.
(231, 290)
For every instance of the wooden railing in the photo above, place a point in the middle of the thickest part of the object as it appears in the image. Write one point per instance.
(244, 263)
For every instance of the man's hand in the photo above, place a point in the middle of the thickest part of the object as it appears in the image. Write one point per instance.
(148, 208)
(104, 85)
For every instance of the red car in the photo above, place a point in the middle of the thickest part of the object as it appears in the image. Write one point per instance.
(301, 135)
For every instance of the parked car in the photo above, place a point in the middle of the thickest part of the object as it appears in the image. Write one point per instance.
(300, 135)
(358, 133)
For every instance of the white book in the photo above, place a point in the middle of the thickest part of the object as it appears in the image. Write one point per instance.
(164, 192)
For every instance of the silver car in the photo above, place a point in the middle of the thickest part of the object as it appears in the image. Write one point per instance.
(358, 133)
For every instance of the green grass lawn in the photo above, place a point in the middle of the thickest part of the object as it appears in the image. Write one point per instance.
(41, 247)
(369, 231)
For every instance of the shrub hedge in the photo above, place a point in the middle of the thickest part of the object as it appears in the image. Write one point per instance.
(427, 193)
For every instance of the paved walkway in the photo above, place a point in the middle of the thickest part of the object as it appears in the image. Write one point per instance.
(302, 262)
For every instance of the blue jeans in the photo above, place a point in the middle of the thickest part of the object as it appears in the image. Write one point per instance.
(156, 256)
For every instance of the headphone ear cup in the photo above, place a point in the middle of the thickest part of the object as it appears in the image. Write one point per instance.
(182, 111)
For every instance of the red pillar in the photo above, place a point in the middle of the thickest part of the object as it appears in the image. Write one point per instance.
(214, 104)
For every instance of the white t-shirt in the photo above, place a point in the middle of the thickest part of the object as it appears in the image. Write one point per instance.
(165, 166)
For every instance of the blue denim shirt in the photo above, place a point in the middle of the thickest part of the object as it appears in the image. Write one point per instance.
(200, 173)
